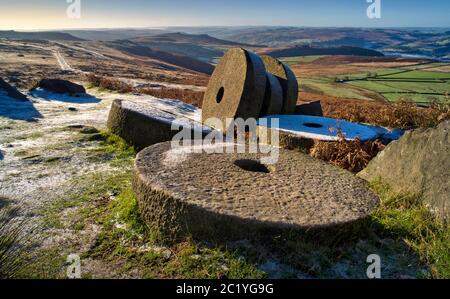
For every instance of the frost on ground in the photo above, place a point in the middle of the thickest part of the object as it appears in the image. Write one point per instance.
(43, 160)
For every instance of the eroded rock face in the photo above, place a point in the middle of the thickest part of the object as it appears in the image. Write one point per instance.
(10, 91)
(61, 86)
(417, 164)
(235, 196)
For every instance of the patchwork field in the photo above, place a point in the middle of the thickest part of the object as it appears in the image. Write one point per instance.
(381, 79)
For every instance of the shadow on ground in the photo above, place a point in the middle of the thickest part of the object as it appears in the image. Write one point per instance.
(45, 95)
(18, 110)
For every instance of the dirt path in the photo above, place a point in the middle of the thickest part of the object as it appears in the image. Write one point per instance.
(62, 61)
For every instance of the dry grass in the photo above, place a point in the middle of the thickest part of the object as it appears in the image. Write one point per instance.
(109, 84)
(186, 95)
(350, 155)
(403, 114)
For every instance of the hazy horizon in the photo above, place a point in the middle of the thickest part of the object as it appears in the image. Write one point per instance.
(47, 15)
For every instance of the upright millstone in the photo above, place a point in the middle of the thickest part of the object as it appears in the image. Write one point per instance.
(273, 99)
(288, 82)
(235, 90)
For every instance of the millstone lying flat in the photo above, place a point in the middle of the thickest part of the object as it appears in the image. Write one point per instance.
(150, 122)
(236, 88)
(233, 196)
(300, 131)
(288, 82)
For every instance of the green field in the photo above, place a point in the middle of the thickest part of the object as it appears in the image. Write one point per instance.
(421, 86)
(300, 59)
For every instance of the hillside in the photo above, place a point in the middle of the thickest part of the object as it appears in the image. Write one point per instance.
(198, 39)
(170, 58)
(50, 35)
(309, 51)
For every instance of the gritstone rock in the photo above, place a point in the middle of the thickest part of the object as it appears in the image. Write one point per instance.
(61, 86)
(417, 164)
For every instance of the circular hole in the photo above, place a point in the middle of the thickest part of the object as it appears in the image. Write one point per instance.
(220, 94)
(252, 166)
(313, 125)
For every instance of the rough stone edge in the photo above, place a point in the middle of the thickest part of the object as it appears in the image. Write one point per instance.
(289, 84)
(175, 220)
(138, 129)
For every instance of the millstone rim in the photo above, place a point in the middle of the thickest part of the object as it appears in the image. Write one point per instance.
(288, 82)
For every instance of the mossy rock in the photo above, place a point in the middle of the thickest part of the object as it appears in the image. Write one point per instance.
(234, 196)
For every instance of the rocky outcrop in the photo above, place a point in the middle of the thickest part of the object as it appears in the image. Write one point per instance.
(10, 91)
(417, 164)
(61, 86)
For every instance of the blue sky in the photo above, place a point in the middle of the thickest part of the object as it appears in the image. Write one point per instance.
(49, 14)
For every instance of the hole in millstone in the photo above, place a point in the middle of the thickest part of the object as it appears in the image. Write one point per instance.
(252, 165)
(220, 94)
(313, 125)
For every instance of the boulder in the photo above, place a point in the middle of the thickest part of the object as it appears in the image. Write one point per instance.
(61, 86)
(224, 196)
(417, 164)
(10, 91)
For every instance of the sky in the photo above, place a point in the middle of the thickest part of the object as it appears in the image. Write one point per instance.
(51, 14)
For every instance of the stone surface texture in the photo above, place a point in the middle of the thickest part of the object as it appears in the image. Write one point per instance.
(417, 164)
(145, 124)
(236, 88)
(234, 196)
(288, 82)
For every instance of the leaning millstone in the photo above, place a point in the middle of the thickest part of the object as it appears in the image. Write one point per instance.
(235, 90)
(273, 99)
(10, 91)
(300, 131)
(225, 196)
(288, 82)
(418, 164)
(149, 122)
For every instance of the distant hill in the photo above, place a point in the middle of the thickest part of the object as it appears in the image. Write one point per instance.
(48, 35)
(197, 39)
(170, 58)
(307, 51)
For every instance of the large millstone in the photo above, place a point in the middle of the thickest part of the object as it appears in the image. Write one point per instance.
(300, 131)
(236, 88)
(231, 196)
(288, 82)
(417, 164)
(273, 99)
(149, 122)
